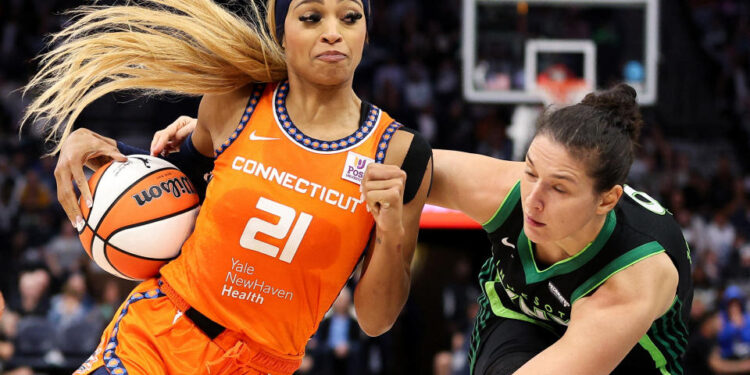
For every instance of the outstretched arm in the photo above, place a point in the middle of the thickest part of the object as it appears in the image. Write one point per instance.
(471, 183)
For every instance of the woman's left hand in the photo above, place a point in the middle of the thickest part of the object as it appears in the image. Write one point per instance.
(383, 189)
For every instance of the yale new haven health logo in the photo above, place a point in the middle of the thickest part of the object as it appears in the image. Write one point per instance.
(354, 169)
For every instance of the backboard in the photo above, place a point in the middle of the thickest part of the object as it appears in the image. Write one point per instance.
(508, 45)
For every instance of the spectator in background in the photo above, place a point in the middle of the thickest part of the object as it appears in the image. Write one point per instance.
(458, 294)
(31, 299)
(32, 194)
(72, 305)
(722, 183)
(734, 336)
(64, 253)
(111, 298)
(492, 138)
(339, 341)
(702, 356)
(8, 206)
(720, 235)
(456, 361)
(418, 88)
(739, 259)
(442, 364)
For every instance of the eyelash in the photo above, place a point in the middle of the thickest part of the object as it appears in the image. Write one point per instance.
(556, 188)
(350, 18)
(313, 18)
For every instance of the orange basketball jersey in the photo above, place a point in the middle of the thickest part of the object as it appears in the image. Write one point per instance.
(283, 224)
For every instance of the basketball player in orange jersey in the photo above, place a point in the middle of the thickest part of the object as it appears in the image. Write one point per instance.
(307, 179)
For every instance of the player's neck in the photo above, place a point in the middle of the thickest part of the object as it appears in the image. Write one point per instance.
(570, 246)
(323, 112)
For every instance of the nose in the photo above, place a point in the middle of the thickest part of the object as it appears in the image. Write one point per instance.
(331, 34)
(534, 201)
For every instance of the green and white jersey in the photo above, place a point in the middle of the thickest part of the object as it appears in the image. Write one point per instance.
(515, 286)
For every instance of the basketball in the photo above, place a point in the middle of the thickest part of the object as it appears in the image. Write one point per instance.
(143, 211)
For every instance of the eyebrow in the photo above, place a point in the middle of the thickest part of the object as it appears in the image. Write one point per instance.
(321, 2)
(555, 175)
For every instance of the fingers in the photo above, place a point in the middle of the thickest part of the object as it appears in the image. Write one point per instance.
(99, 159)
(67, 197)
(169, 139)
(378, 200)
(83, 186)
(376, 171)
(383, 186)
(184, 132)
(117, 156)
(159, 141)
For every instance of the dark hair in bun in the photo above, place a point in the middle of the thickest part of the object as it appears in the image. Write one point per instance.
(602, 130)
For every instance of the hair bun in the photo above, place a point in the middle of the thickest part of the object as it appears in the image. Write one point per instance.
(619, 102)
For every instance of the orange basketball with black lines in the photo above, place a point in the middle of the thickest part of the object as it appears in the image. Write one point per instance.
(143, 211)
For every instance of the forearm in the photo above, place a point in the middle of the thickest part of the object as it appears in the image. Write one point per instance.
(384, 287)
(188, 159)
(724, 366)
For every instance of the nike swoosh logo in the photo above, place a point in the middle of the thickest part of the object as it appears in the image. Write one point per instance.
(507, 243)
(254, 137)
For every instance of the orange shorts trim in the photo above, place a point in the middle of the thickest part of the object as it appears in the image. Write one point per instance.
(151, 336)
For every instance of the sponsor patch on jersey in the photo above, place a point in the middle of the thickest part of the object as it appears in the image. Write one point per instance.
(354, 169)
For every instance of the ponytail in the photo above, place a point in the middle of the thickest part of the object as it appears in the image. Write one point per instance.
(153, 47)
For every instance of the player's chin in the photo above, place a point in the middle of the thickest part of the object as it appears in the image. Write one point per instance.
(332, 74)
(536, 234)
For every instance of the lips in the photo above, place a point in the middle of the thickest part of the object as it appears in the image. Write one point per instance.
(533, 222)
(331, 56)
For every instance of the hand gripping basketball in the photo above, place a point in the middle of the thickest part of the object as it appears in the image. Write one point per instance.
(143, 211)
(82, 147)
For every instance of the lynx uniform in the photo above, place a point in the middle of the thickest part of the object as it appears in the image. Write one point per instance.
(525, 307)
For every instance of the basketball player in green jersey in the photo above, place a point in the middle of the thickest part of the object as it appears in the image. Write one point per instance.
(586, 275)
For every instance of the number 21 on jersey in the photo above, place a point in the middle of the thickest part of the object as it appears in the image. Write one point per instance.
(279, 231)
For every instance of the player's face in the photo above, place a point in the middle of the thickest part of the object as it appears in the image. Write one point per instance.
(324, 39)
(557, 194)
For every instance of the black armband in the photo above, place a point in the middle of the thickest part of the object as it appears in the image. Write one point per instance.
(415, 164)
(196, 166)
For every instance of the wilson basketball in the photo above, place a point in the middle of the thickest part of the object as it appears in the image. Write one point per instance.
(143, 211)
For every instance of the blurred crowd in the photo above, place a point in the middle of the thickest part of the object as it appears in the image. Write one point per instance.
(58, 301)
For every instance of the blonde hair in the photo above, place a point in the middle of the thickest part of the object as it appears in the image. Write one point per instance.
(184, 47)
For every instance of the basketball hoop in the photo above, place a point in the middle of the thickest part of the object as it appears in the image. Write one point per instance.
(559, 87)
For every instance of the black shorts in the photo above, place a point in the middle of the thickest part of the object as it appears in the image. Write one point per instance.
(506, 344)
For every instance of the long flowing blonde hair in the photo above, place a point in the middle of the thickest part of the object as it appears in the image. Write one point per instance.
(155, 47)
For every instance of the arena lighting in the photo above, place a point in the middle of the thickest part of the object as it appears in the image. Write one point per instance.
(434, 217)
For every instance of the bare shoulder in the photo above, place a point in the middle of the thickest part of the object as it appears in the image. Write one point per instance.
(398, 147)
(471, 183)
(221, 113)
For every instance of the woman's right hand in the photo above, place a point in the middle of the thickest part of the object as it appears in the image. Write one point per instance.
(82, 148)
(169, 139)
